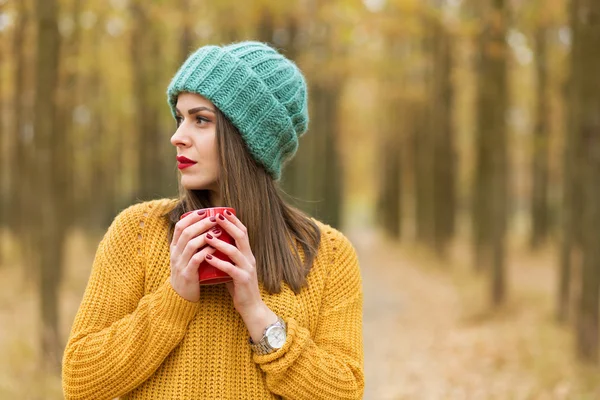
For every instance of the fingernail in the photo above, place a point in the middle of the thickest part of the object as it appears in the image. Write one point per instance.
(228, 213)
(208, 257)
(222, 218)
(213, 219)
(216, 231)
(201, 212)
(209, 236)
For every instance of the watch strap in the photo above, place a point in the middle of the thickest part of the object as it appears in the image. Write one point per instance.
(262, 346)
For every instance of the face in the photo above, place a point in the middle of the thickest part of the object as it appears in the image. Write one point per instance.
(196, 143)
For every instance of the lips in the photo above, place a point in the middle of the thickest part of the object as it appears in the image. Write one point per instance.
(184, 162)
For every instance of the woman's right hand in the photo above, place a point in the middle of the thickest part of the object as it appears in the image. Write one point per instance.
(189, 236)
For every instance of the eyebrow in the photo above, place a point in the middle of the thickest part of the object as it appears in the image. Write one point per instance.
(195, 110)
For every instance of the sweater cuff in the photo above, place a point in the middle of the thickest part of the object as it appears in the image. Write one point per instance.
(297, 339)
(174, 309)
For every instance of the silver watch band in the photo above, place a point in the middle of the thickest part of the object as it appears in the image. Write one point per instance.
(262, 346)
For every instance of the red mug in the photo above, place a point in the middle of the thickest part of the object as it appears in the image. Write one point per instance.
(209, 275)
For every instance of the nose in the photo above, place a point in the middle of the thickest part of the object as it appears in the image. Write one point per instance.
(180, 138)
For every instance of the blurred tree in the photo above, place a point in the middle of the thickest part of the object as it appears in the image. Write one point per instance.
(572, 197)
(49, 231)
(490, 196)
(265, 27)
(67, 95)
(4, 190)
(20, 218)
(423, 171)
(315, 175)
(390, 190)
(186, 38)
(394, 120)
(392, 125)
(103, 193)
(441, 125)
(424, 143)
(586, 87)
(144, 46)
(541, 139)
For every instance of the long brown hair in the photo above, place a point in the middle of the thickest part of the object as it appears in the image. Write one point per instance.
(284, 240)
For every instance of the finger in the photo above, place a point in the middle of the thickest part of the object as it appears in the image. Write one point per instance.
(184, 222)
(236, 230)
(225, 266)
(198, 242)
(197, 259)
(229, 250)
(194, 230)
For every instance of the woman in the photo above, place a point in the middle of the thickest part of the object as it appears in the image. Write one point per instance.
(289, 325)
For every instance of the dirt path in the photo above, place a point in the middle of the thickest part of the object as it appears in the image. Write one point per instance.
(425, 338)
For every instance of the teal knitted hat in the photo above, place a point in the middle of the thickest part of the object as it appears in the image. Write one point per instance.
(259, 90)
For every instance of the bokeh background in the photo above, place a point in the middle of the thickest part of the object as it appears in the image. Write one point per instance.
(456, 142)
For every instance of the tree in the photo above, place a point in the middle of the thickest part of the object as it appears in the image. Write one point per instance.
(490, 196)
(586, 63)
(4, 191)
(315, 174)
(444, 166)
(144, 46)
(541, 139)
(49, 229)
(21, 177)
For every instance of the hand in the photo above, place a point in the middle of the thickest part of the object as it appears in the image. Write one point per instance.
(244, 289)
(189, 236)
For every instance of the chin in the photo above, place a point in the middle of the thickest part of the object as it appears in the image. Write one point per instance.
(196, 184)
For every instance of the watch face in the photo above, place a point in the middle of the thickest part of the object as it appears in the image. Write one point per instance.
(276, 337)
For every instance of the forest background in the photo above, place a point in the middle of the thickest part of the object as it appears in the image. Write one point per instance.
(456, 142)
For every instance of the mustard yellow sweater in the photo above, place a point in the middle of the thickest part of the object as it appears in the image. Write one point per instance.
(134, 337)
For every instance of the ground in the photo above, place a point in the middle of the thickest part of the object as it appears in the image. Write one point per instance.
(428, 329)
(429, 332)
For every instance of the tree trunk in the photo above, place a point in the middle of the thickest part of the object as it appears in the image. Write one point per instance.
(586, 63)
(491, 181)
(314, 177)
(541, 138)
(68, 100)
(49, 230)
(265, 25)
(571, 162)
(423, 179)
(390, 190)
(499, 158)
(21, 176)
(444, 193)
(567, 226)
(186, 30)
(332, 178)
(144, 47)
(5, 190)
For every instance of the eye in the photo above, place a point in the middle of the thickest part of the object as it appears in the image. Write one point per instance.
(178, 120)
(200, 120)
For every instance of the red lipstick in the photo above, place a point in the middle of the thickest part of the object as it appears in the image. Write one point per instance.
(184, 162)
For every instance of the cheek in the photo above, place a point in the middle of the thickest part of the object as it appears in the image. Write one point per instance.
(212, 152)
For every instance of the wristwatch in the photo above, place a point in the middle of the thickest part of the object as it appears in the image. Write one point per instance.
(273, 338)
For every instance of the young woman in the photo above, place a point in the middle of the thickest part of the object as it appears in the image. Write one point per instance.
(289, 325)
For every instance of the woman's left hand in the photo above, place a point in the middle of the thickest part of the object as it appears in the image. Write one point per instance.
(244, 289)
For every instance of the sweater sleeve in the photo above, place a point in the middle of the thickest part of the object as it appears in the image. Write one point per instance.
(329, 364)
(121, 336)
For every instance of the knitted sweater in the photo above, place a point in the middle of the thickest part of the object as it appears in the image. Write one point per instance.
(134, 337)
